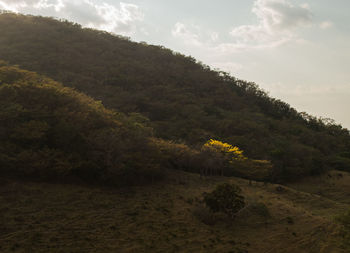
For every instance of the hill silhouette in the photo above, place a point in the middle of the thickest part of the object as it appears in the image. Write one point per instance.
(185, 100)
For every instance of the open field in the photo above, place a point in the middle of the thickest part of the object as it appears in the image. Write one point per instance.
(169, 217)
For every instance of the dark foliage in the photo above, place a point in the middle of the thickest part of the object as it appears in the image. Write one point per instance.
(50, 132)
(225, 198)
(184, 100)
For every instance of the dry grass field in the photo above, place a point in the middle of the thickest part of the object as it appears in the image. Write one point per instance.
(169, 217)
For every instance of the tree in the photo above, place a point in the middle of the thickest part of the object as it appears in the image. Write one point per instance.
(225, 198)
(220, 155)
(229, 151)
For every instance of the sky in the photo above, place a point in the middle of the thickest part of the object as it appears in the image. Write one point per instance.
(296, 50)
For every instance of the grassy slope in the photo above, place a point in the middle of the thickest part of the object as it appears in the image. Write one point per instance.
(335, 185)
(39, 217)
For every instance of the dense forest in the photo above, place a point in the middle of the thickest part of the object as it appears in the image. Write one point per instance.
(158, 93)
(50, 132)
(53, 133)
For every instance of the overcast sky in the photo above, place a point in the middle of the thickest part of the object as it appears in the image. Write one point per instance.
(297, 50)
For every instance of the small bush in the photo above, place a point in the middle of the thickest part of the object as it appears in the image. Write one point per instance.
(225, 198)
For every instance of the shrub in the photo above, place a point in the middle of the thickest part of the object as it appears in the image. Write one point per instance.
(225, 198)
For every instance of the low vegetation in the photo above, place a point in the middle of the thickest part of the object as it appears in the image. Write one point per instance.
(225, 198)
(167, 217)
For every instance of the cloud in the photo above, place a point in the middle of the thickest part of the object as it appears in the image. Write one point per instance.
(193, 35)
(188, 35)
(122, 19)
(278, 21)
(326, 24)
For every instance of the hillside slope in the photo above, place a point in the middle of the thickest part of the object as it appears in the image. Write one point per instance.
(166, 217)
(51, 132)
(185, 100)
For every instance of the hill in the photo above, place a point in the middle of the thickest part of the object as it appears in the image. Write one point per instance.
(147, 110)
(54, 133)
(185, 100)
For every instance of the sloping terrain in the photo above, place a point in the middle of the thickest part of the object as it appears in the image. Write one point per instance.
(57, 144)
(334, 185)
(50, 132)
(164, 217)
(185, 100)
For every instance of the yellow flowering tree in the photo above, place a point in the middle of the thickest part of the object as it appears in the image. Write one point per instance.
(230, 152)
(219, 156)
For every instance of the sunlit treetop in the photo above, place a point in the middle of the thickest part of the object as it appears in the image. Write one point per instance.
(232, 151)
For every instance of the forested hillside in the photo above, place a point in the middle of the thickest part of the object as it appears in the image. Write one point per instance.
(185, 101)
(53, 133)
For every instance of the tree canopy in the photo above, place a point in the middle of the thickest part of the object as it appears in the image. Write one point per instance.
(52, 132)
